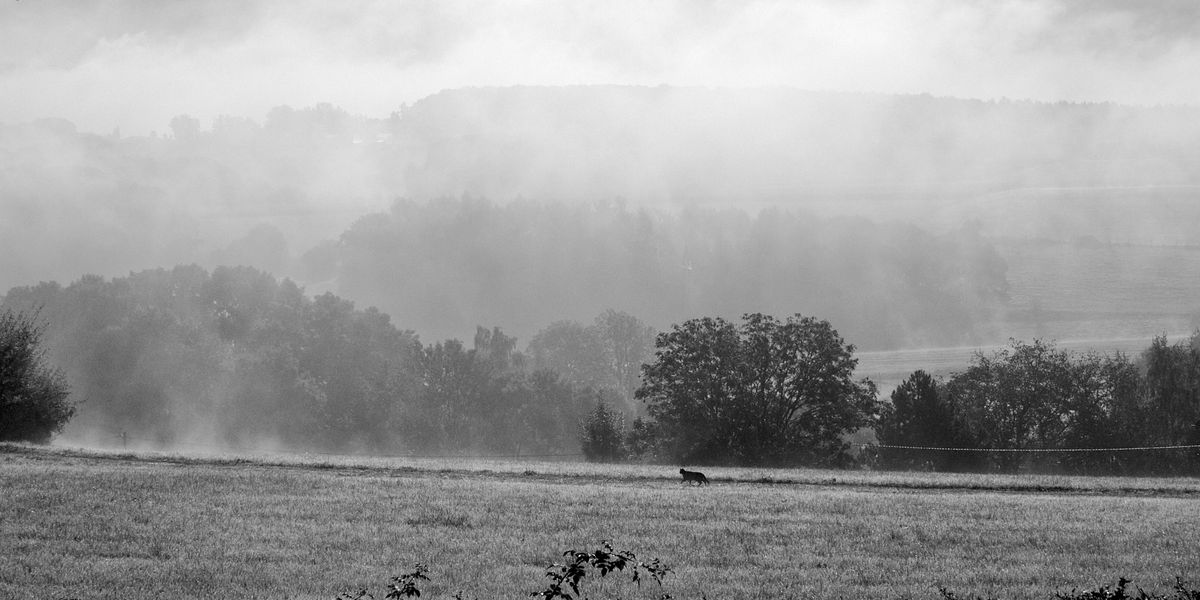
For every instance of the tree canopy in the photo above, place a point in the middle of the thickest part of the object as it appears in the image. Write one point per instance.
(236, 358)
(767, 392)
(605, 355)
(918, 416)
(1053, 411)
(34, 396)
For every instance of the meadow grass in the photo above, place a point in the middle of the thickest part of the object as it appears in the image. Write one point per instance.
(79, 524)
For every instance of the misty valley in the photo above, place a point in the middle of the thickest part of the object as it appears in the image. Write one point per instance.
(907, 221)
(491, 272)
(570, 299)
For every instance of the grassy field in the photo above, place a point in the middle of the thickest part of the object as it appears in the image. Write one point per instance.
(79, 524)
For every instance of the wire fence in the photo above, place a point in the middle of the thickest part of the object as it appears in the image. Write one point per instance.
(1167, 459)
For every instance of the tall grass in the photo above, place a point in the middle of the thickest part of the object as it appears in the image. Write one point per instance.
(86, 525)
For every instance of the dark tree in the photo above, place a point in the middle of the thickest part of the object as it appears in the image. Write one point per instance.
(1171, 401)
(1103, 411)
(603, 435)
(1035, 397)
(1015, 399)
(1172, 389)
(33, 395)
(691, 389)
(917, 416)
(767, 392)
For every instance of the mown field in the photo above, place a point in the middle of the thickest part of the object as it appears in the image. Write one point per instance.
(103, 525)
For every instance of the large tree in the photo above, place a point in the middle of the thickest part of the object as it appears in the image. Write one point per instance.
(1172, 390)
(1015, 399)
(1031, 400)
(1170, 410)
(34, 397)
(764, 392)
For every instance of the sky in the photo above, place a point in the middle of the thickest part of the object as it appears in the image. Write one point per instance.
(134, 64)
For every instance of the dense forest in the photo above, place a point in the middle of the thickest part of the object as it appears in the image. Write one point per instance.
(238, 359)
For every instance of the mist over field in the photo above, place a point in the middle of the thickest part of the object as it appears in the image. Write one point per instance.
(925, 174)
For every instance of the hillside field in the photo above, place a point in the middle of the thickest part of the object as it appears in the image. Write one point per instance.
(87, 524)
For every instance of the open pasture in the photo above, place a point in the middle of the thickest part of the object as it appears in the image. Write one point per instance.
(97, 525)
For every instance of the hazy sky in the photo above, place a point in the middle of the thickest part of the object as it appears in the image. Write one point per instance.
(134, 64)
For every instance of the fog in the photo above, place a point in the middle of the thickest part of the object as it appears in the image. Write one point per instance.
(931, 173)
(148, 134)
(135, 64)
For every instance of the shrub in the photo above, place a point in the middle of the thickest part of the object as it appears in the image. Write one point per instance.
(565, 578)
(33, 396)
(605, 561)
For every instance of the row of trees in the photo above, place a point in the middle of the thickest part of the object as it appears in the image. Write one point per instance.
(767, 392)
(1048, 404)
(237, 358)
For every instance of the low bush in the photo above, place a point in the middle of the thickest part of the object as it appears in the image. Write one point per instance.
(565, 578)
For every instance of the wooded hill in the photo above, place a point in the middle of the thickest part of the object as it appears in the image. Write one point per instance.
(904, 220)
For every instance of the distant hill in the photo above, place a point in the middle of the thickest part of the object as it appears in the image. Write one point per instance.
(695, 144)
(905, 220)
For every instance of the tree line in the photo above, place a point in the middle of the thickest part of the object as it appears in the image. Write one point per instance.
(1058, 411)
(237, 358)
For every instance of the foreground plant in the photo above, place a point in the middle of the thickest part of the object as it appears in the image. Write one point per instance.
(403, 586)
(606, 560)
(1179, 592)
(564, 578)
